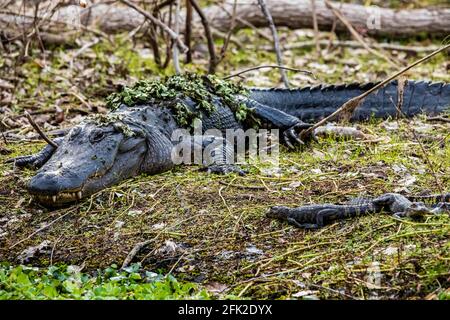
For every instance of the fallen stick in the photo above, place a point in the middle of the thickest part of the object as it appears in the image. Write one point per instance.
(41, 133)
(352, 104)
(354, 44)
(356, 35)
(268, 66)
(134, 252)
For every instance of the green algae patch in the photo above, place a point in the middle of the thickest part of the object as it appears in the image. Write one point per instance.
(117, 120)
(176, 90)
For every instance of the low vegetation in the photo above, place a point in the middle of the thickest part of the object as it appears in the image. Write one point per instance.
(210, 232)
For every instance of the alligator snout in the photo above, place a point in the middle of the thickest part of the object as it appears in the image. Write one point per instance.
(55, 186)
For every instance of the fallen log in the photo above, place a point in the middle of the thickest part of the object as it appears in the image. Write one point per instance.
(294, 14)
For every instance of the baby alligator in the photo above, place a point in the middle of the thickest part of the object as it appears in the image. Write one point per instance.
(317, 215)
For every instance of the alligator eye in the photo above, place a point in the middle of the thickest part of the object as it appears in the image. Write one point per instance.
(75, 131)
(96, 136)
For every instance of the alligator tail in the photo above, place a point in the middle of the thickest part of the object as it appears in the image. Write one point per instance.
(311, 104)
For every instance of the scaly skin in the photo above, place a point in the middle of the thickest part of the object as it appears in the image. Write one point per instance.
(93, 156)
(317, 215)
(311, 104)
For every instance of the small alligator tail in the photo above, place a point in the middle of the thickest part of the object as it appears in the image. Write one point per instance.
(311, 104)
(433, 199)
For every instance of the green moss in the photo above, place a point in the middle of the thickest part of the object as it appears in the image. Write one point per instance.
(175, 89)
(111, 118)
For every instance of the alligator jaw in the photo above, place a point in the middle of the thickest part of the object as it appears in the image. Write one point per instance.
(58, 199)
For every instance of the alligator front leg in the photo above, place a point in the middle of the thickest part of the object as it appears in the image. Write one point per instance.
(218, 156)
(37, 160)
(399, 215)
(295, 223)
(215, 153)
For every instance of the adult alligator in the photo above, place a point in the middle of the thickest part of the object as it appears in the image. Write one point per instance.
(316, 216)
(136, 136)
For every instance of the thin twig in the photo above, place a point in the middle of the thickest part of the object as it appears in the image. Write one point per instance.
(356, 35)
(241, 186)
(276, 41)
(42, 228)
(41, 133)
(439, 118)
(353, 103)
(269, 66)
(353, 44)
(316, 27)
(230, 31)
(422, 148)
(173, 35)
(246, 23)
(176, 62)
(209, 38)
(188, 31)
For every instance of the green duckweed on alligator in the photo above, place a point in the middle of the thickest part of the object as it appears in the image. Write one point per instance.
(135, 137)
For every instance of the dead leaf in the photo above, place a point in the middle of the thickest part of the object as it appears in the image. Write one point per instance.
(216, 287)
(30, 252)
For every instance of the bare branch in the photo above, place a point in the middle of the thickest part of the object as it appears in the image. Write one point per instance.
(269, 66)
(41, 133)
(356, 35)
(188, 31)
(173, 35)
(209, 38)
(276, 42)
(176, 62)
(230, 31)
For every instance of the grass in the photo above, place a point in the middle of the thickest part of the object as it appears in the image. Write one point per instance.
(215, 235)
(210, 231)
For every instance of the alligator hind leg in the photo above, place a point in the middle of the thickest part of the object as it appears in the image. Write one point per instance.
(37, 160)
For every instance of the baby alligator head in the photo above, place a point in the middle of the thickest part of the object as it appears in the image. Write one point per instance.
(417, 210)
(278, 212)
(90, 158)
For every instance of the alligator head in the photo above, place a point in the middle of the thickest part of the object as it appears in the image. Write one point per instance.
(278, 212)
(417, 210)
(94, 156)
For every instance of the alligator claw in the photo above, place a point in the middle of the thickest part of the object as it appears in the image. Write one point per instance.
(291, 136)
(23, 161)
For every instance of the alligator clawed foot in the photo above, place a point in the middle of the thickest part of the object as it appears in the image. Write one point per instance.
(224, 169)
(399, 215)
(22, 161)
(291, 136)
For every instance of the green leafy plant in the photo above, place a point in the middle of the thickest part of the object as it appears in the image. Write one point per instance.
(67, 282)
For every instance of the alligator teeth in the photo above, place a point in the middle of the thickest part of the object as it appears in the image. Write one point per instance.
(79, 195)
(54, 198)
